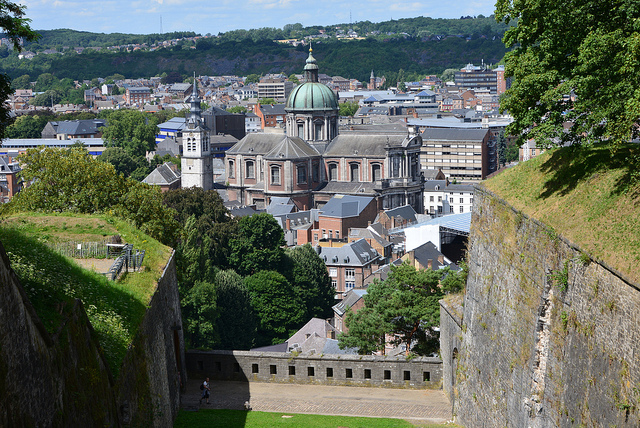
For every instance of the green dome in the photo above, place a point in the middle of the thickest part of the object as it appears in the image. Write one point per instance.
(312, 96)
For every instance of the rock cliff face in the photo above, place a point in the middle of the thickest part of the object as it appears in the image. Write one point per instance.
(62, 379)
(548, 336)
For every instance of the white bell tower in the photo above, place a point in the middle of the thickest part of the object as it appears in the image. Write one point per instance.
(197, 162)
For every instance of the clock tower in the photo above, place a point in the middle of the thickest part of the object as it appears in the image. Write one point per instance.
(197, 162)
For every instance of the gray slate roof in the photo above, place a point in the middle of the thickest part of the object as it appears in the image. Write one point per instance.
(358, 253)
(351, 298)
(76, 127)
(454, 134)
(428, 251)
(363, 144)
(272, 145)
(291, 148)
(336, 187)
(163, 175)
(343, 206)
(406, 212)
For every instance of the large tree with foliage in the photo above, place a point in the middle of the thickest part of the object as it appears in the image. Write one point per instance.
(311, 282)
(575, 69)
(72, 180)
(366, 331)
(237, 323)
(200, 312)
(258, 245)
(132, 130)
(280, 312)
(405, 306)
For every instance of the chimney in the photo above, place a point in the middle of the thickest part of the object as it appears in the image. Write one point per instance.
(430, 264)
(441, 259)
(288, 224)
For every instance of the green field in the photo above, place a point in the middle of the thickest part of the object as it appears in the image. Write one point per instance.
(240, 418)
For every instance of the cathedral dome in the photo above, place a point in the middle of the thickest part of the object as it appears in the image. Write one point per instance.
(311, 95)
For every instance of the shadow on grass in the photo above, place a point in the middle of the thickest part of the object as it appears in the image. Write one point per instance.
(52, 282)
(568, 166)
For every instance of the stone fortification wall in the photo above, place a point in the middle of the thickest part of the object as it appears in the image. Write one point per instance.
(355, 370)
(450, 343)
(153, 373)
(549, 337)
(49, 380)
(62, 379)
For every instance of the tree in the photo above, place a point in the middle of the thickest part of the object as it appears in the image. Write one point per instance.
(293, 78)
(311, 282)
(22, 82)
(131, 130)
(237, 109)
(449, 75)
(201, 315)
(258, 245)
(405, 306)
(237, 323)
(27, 127)
(122, 161)
(348, 108)
(366, 331)
(266, 101)
(279, 311)
(576, 84)
(71, 180)
(252, 78)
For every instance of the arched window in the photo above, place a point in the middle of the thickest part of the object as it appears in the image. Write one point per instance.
(275, 174)
(333, 172)
(354, 169)
(250, 170)
(232, 171)
(376, 172)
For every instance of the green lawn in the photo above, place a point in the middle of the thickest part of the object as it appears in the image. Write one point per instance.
(588, 195)
(52, 281)
(239, 418)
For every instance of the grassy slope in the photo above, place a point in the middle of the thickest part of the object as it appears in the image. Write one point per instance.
(53, 281)
(586, 196)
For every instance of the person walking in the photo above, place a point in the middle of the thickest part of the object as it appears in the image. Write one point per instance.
(206, 390)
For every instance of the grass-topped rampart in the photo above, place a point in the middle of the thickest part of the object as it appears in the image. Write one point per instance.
(52, 281)
(589, 195)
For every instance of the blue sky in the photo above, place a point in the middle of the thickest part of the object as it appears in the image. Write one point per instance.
(214, 16)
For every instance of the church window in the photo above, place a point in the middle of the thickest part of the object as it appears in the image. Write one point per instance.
(333, 172)
(376, 172)
(354, 168)
(395, 166)
(250, 169)
(316, 172)
(302, 174)
(318, 131)
(275, 175)
(232, 172)
(301, 130)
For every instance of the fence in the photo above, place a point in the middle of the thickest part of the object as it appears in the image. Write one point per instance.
(81, 249)
(128, 259)
(125, 256)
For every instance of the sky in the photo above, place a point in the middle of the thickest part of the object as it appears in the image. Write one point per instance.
(215, 16)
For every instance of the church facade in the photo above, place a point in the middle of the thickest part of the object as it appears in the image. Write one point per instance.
(312, 161)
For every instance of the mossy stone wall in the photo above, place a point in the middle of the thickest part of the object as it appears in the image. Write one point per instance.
(549, 337)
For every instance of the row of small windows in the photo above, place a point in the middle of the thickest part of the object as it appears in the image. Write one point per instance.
(348, 372)
(302, 177)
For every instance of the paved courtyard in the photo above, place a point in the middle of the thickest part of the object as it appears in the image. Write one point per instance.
(418, 406)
